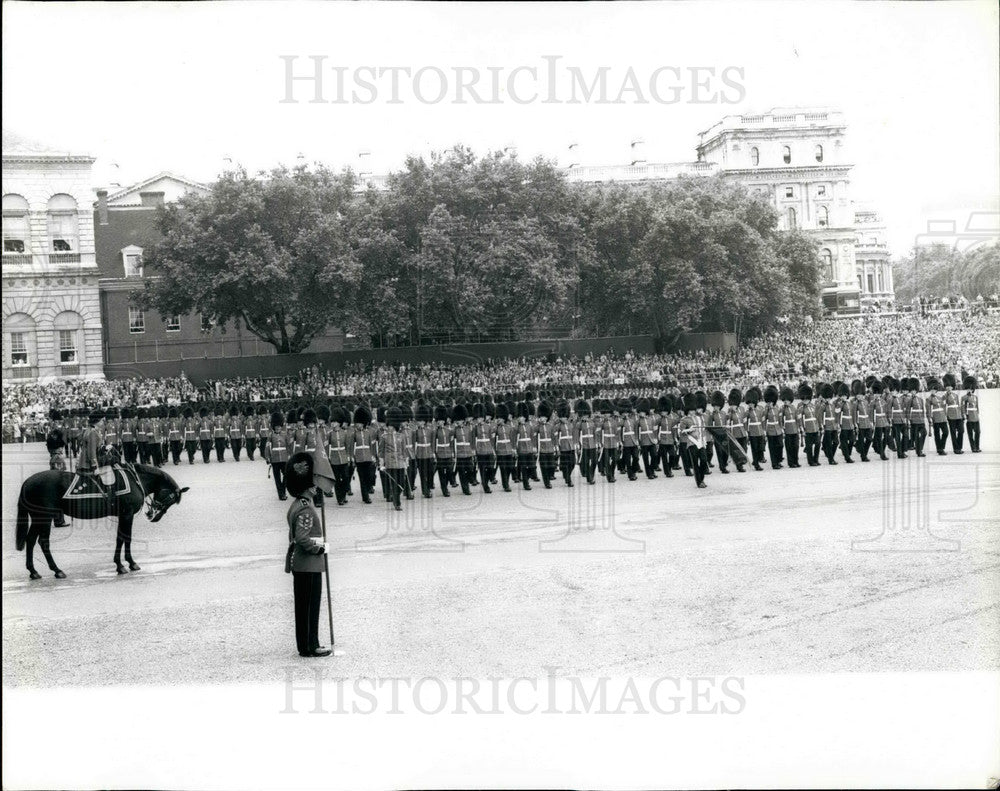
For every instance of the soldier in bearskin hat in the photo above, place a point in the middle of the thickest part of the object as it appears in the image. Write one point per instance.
(220, 433)
(881, 427)
(205, 434)
(953, 411)
(897, 417)
(810, 421)
(525, 443)
(465, 455)
(666, 441)
(423, 446)
(175, 434)
(830, 417)
(970, 412)
(611, 440)
(249, 431)
(843, 406)
(755, 425)
(567, 441)
(936, 407)
(545, 437)
(773, 432)
(190, 433)
(444, 448)
(130, 446)
(363, 443)
(306, 549)
(691, 428)
(503, 439)
(588, 433)
(335, 443)
(143, 431)
(234, 430)
(715, 418)
(646, 428)
(863, 426)
(393, 456)
(629, 461)
(916, 411)
(277, 451)
(789, 417)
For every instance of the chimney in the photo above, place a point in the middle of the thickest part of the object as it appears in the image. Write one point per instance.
(151, 198)
(102, 207)
(638, 152)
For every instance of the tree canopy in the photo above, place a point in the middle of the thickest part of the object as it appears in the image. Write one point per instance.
(941, 270)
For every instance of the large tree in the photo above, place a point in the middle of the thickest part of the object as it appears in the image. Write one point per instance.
(273, 251)
(940, 270)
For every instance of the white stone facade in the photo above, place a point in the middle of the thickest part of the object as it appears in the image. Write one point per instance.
(51, 303)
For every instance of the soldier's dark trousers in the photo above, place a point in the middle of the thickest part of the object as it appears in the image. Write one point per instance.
(723, 455)
(830, 445)
(667, 453)
(130, 450)
(899, 438)
(156, 454)
(251, 447)
(547, 463)
(811, 447)
(486, 467)
(366, 479)
(956, 429)
(775, 449)
(918, 436)
(526, 465)
(699, 462)
(863, 442)
(506, 466)
(411, 473)
(340, 482)
(649, 456)
(941, 437)
(278, 473)
(847, 443)
(588, 463)
(880, 440)
(397, 484)
(609, 459)
(686, 459)
(220, 449)
(973, 428)
(444, 475)
(567, 463)
(425, 469)
(466, 469)
(709, 450)
(206, 450)
(307, 588)
(756, 451)
(191, 446)
(237, 446)
(792, 449)
(144, 453)
(630, 461)
(175, 450)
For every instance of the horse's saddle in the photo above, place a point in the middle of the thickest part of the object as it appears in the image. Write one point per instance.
(106, 482)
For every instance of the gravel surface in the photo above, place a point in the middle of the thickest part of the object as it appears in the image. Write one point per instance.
(886, 566)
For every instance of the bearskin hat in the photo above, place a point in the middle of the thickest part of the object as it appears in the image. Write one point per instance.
(582, 408)
(857, 387)
(933, 383)
(502, 413)
(219, 410)
(529, 395)
(55, 414)
(277, 420)
(380, 413)
(643, 405)
(477, 410)
(248, 412)
(362, 416)
(95, 417)
(805, 392)
(838, 386)
(309, 417)
(735, 397)
(441, 412)
(663, 403)
(826, 390)
(562, 409)
(969, 383)
(459, 412)
(292, 417)
(949, 380)
(424, 413)
(545, 410)
(203, 412)
(324, 413)
(718, 399)
(869, 380)
(299, 473)
(188, 412)
(394, 417)
(688, 402)
(623, 405)
(752, 395)
(843, 390)
(786, 394)
(522, 410)
(490, 409)
(700, 399)
(406, 412)
(771, 394)
(876, 387)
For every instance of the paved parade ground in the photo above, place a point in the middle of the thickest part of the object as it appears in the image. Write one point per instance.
(885, 566)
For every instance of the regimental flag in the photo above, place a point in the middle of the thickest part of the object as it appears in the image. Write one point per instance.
(322, 472)
(724, 439)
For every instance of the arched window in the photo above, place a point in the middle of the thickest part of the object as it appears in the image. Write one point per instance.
(822, 217)
(16, 230)
(68, 326)
(826, 259)
(792, 220)
(787, 155)
(819, 153)
(64, 232)
(754, 156)
(19, 329)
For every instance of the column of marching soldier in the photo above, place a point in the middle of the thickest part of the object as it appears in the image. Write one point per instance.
(465, 445)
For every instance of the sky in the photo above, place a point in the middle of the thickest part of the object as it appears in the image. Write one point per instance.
(194, 88)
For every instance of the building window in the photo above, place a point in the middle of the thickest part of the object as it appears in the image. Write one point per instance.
(871, 283)
(819, 153)
(822, 217)
(789, 192)
(207, 324)
(787, 155)
(132, 258)
(792, 220)
(754, 156)
(173, 323)
(821, 191)
(15, 224)
(18, 349)
(826, 257)
(67, 347)
(136, 321)
(63, 224)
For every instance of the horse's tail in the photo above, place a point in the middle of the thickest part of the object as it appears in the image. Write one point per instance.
(23, 523)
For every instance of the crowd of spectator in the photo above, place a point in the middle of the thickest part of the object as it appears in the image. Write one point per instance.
(900, 344)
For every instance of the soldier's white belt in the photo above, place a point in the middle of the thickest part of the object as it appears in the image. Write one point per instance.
(423, 444)
(338, 447)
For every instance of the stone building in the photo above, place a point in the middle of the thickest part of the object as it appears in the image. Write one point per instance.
(51, 307)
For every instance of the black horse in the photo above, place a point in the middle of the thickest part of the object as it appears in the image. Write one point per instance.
(43, 495)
